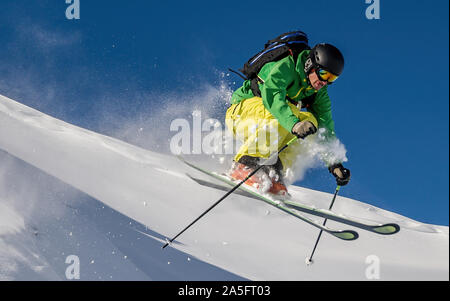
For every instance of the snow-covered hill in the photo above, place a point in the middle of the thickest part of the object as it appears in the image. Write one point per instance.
(144, 197)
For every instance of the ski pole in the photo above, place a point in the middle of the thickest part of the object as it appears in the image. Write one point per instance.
(229, 192)
(309, 260)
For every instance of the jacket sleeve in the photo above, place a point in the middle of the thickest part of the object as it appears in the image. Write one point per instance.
(273, 93)
(321, 109)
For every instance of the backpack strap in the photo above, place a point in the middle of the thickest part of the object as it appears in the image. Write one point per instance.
(238, 73)
(298, 36)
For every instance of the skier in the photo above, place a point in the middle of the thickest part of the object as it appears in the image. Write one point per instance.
(272, 103)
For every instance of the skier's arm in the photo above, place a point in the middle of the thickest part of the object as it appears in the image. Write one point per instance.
(273, 93)
(321, 109)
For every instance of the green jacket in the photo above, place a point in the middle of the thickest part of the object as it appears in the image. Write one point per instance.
(277, 77)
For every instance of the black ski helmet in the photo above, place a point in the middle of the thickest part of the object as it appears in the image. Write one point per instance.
(326, 56)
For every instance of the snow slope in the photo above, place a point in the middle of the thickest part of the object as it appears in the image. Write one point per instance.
(153, 198)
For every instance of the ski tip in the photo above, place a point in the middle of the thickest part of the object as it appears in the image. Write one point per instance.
(387, 229)
(346, 235)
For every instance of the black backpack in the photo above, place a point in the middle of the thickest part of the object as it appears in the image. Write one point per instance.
(290, 43)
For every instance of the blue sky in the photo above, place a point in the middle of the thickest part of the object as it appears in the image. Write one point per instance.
(390, 105)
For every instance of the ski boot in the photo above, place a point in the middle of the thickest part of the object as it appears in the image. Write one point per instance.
(267, 179)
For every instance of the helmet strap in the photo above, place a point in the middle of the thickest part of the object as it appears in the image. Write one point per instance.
(308, 66)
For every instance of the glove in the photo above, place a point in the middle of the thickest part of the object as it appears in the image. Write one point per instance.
(341, 174)
(303, 128)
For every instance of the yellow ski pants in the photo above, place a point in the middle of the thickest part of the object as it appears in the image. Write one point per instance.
(260, 132)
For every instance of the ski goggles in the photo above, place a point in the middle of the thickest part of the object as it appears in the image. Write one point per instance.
(326, 76)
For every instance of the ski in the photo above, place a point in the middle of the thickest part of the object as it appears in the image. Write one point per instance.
(342, 234)
(383, 229)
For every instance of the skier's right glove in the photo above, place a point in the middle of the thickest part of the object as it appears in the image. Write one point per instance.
(341, 174)
(303, 128)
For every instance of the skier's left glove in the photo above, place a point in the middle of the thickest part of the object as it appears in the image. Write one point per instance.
(341, 174)
(303, 128)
